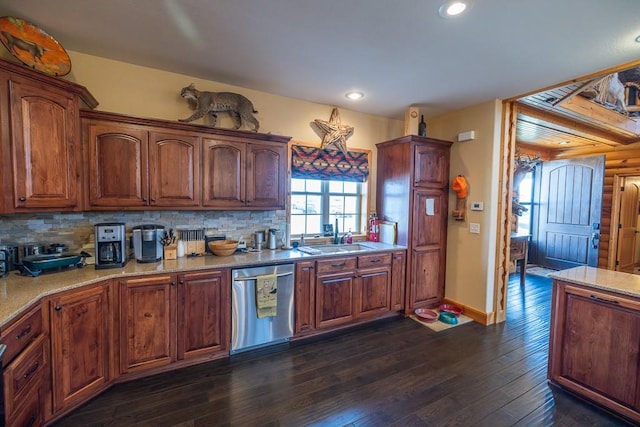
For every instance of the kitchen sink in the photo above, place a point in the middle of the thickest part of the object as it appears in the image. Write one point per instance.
(333, 249)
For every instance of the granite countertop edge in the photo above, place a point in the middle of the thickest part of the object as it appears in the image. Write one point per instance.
(598, 278)
(18, 293)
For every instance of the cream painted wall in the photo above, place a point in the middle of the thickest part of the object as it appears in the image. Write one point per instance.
(146, 92)
(471, 271)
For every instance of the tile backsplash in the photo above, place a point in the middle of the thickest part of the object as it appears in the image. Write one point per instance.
(76, 229)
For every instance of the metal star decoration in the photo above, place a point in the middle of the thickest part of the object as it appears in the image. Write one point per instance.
(335, 133)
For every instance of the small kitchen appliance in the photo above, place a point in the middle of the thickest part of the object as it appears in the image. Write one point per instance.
(272, 240)
(9, 257)
(110, 245)
(147, 246)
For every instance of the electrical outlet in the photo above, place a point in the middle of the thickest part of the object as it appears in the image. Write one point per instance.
(242, 244)
(474, 228)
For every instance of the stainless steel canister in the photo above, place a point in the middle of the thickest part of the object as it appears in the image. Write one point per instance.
(33, 249)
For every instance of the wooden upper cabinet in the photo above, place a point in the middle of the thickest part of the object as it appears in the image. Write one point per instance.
(118, 165)
(266, 175)
(154, 164)
(431, 166)
(45, 148)
(174, 169)
(223, 173)
(135, 166)
(239, 174)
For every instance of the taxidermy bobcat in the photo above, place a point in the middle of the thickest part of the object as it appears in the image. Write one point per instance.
(240, 108)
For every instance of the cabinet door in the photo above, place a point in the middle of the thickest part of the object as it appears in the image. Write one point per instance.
(80, 329)
(431, 166)
(148, 322)
(429, 238)
(223, 173)
(174, 170)
(398, 277)
(203, 313)
(45, 148)
(334, 299)
(118, 165)
(305, 296)
(266, 175)
(373, 292)
(596, 345)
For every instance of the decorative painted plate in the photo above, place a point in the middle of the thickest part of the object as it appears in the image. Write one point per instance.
(33, 46)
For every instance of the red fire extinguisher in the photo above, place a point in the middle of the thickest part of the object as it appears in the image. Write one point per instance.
(374, 228)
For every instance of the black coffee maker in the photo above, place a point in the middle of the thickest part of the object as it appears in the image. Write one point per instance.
(110, 245)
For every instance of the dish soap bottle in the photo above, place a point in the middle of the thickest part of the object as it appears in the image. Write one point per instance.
(349, 238)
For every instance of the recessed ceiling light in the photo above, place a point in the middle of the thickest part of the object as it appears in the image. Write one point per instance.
(454, 8)
(563, 143)
(354, 95)
(638, 39)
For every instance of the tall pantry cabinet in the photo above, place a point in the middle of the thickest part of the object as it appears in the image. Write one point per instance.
(412, 190)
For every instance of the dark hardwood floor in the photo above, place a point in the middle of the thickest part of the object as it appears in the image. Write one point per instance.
(396, 373)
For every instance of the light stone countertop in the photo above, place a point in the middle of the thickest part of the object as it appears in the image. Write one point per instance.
(17, 293)
(606, 280)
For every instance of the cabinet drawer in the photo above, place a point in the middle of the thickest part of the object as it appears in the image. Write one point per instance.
(19, 334)
(335, 265)
(24, 374)
(29, 412)
(376, 260)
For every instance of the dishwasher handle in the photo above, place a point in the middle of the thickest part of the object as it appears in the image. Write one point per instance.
(243, 278)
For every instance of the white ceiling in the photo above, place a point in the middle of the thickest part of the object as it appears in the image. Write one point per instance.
(399, 52)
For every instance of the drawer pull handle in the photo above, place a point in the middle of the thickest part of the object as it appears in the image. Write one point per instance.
(32, 370)
(58, 307)
(373, 261)
(339, 265)
(610, 301)
(147, 314)
(23, 199)
(24, 332)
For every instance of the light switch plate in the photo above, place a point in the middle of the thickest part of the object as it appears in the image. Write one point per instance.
(474, 228)
(477, 206)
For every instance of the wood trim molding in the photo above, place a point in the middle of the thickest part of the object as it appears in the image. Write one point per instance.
(476, 315)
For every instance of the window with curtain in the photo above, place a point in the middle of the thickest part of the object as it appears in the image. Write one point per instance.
(327, 185)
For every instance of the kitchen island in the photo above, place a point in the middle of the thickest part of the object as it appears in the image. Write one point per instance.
(594, 342)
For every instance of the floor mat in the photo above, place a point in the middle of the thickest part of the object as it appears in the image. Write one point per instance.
(441, 326)
(540, 271)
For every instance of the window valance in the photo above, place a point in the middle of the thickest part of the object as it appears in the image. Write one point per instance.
(316, 163)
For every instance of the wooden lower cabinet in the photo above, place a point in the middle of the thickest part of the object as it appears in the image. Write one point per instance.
(165, 318)
(348, 290)
(594, 347)
(305, 296)
(80, 335)
(203, 314)
(398, 277)
(147, 322)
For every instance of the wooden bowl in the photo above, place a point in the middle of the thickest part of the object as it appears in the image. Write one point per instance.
(223, 247)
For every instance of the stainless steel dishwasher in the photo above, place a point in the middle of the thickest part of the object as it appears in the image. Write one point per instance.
(247, 330)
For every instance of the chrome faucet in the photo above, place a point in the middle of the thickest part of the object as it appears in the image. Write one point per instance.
(335, 233)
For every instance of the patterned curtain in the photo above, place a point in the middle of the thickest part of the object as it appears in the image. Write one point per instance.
(316, 163)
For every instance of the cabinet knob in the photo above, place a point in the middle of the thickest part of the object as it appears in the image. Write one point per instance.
(23, 199)
(58, 307)
(182, 282)
(173, 283)
(144, 199)
(153, 200)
